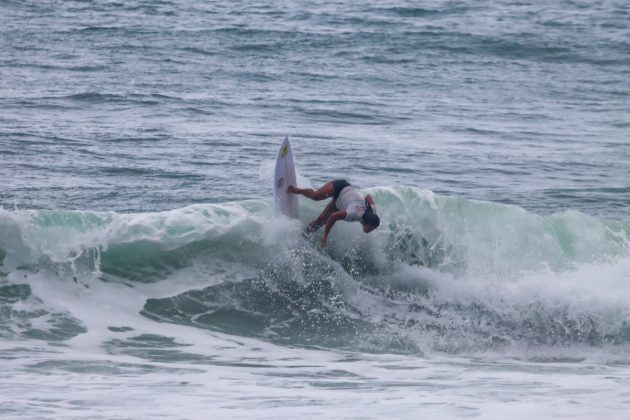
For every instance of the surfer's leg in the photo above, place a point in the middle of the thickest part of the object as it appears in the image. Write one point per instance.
(325, 191)
(321, 219)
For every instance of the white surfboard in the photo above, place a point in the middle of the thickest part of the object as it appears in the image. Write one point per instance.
(286, 204)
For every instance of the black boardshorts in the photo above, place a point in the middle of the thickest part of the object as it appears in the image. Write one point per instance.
(338, 185)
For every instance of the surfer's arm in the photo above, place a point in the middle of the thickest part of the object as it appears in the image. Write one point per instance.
(332, 219)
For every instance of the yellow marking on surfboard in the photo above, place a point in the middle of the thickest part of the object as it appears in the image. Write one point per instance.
(285, 150)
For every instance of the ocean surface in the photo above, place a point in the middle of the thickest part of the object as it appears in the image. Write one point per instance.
(144, 272)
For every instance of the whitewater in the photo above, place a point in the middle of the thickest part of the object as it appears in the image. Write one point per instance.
(452, 301)
(144, 272)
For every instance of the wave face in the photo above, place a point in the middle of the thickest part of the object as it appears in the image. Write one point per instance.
(440, 274)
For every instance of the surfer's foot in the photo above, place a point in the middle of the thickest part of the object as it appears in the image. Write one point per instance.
(312, 227)
(292, 190)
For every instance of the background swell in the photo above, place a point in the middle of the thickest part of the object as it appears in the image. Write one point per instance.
(141, 106)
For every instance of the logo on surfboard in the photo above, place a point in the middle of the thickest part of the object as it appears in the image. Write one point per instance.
(280, 183)
(284, 151)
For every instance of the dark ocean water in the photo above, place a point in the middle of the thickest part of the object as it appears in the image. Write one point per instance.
(140, 254)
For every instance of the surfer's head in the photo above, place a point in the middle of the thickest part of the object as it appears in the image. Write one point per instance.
(370, 220)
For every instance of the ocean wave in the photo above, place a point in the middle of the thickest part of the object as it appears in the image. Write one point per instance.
(442, 273)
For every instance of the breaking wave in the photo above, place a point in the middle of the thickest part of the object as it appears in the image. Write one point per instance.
(440, 274)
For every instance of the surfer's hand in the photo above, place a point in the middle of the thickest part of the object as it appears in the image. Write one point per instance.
(292, 190)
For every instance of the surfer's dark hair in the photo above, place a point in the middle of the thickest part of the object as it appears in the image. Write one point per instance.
(371, 218)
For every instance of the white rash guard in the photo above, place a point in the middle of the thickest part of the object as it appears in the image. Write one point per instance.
(350, 201)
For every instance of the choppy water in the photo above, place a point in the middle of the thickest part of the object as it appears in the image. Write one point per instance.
(144, 273)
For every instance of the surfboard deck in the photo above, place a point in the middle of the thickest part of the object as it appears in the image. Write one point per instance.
(286, 203)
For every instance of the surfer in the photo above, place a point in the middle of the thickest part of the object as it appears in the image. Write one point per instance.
(346, 205)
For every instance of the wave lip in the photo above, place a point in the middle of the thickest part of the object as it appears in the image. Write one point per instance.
(450, 234)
